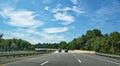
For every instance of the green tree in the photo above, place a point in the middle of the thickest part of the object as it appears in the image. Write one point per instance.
(63, 45)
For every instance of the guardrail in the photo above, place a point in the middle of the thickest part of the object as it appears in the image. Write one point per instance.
(17, 55)
(108, 55)
(13, 55)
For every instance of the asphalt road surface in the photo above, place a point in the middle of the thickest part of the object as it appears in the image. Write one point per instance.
(64, 59)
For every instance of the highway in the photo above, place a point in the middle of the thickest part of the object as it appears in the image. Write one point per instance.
(64, 59)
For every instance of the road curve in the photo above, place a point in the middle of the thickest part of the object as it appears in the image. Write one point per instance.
(64, 59)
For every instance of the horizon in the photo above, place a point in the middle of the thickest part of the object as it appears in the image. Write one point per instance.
(53, 21)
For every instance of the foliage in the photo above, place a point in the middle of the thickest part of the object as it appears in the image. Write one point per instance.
(15, 44)
(94, 40)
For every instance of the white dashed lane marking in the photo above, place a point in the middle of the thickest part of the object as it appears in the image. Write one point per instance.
(44, 63)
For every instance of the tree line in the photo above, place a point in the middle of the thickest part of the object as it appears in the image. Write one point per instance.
(14, 44)
(22, 45)
(92, 40)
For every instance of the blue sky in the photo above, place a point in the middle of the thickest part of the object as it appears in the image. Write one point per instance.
(52, 21)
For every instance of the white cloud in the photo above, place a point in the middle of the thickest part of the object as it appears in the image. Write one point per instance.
(20, 18)
(66, 9)
(52, 38)
(46, 8)
(55, 29)
(74, 1)
(23, 36)
(63, 14)
(14, 34)
(67, 19)
(46, 1)
(19, 35)
(77, 9)
(41, 36)
(27, 26)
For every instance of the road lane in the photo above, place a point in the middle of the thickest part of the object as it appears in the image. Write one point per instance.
(64, 59)
(91, 60)
(36, 61)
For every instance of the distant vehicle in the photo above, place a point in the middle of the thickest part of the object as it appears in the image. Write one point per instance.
(66, 50)
(59, 50)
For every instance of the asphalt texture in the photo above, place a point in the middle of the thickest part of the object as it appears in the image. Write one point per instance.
(64, 59)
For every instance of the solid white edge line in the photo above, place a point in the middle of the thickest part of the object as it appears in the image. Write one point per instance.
(44, 63)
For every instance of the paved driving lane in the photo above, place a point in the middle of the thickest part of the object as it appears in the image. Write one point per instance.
(64, 59)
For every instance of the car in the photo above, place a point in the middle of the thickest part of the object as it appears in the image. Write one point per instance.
(66, 50)
(59, 50)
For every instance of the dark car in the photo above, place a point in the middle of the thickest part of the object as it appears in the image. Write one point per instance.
(66, 50)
